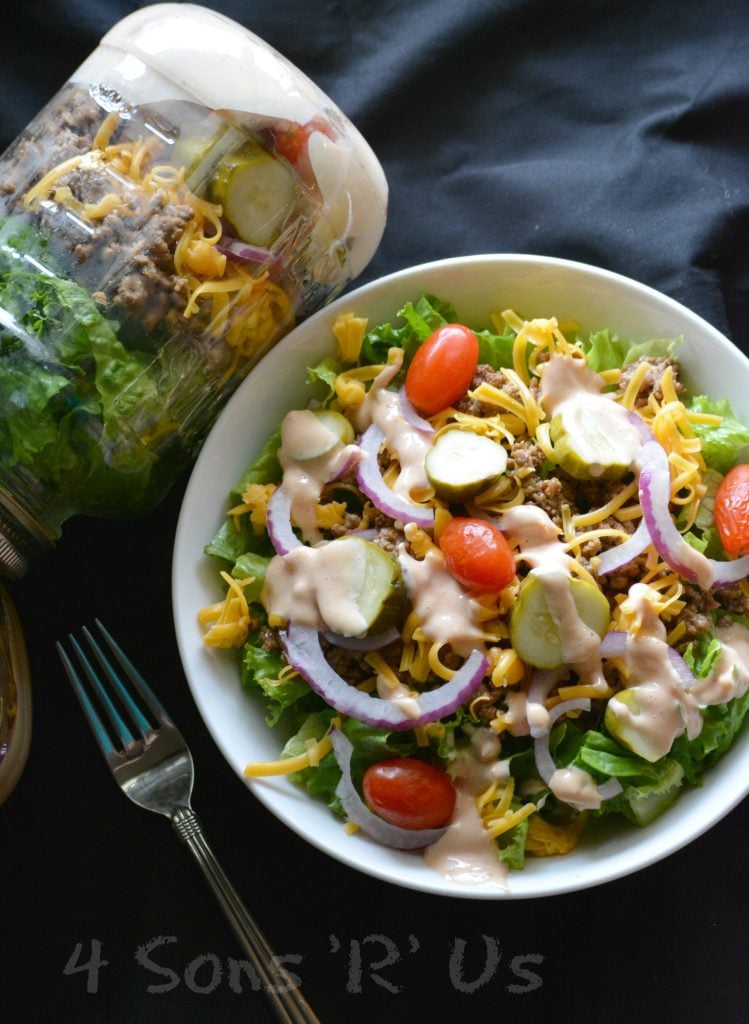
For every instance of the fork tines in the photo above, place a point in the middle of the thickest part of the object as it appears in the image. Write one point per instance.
(129, 725)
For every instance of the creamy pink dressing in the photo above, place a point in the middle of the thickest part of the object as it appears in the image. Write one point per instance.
(405, 444)
(579, 641)
(466, 854)
(318, 587)
(445, 612)
(400, 695)
(538, 539)
(571, 390)
(310, 455)
(729, 676)
(576, 788)
(516, 718)
(661, 708)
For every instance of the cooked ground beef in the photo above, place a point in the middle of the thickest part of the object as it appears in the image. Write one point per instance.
(696, 614)
(652, 381)
(620, 581)
(485, 374)
(351, 664)
(389, 536)
(351, 522)
(484, 702)
(127, 258)
(733, 599)
(269, 639)
(64, 129)
(525, 454)
(550, 495)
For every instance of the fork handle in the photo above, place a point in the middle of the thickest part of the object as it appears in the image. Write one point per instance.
(285, 997)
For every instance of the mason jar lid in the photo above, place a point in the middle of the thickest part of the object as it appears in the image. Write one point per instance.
(22, 539)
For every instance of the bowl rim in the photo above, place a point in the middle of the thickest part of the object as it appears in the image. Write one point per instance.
(651, 847)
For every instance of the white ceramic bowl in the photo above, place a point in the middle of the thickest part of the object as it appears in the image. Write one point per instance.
(477, 286)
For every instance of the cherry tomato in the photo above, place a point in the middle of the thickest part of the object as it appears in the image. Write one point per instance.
(409, 793)
(732, 510)
(442, 368)
(477, 554)
(291, 142)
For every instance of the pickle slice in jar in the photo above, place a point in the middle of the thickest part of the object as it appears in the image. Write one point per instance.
(256, 191)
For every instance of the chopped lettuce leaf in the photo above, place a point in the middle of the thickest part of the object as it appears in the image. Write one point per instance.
(249, 564)
(643, 803)
(264, 469)
(511, 846)
(230, 541)
(655, 348)
(421, 319)
(496, 349)
(604, 351)
(323, 375)
(607, 351)
(721, 723)
(722, 446)
(370, 745)
(260, 670)
(605, 758)
(701, 654)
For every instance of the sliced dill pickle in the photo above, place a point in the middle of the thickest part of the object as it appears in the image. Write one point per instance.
(378, 593)
(461, 464)
(535, 634)
(648, 731)
(256, 192)
(592, 442)
(310, 433)
(201, 156)
(337, 424)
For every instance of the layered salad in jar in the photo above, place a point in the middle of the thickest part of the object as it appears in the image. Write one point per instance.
(171, 213)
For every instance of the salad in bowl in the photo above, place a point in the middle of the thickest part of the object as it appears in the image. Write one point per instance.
(483, 585)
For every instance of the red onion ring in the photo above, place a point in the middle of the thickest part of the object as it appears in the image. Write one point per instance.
(544, 760)
(371, 484)
(302, 647)
(411, 416)
(358, 812)
(616, 557)
(278, 521)
(637, 421)
(362, 643)
(542, 683)
(655, 494)
(236, 249)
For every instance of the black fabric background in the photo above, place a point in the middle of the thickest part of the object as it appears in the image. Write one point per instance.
(606, 132)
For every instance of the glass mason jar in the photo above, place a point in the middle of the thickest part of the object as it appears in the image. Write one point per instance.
(185, 198)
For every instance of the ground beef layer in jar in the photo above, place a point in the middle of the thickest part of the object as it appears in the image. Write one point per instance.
(126, 258)
(63, 129)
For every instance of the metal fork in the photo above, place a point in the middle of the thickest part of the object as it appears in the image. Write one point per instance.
(153, 766)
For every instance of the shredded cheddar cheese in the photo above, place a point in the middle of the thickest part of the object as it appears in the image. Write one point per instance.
(229, 619)
(349, 331)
